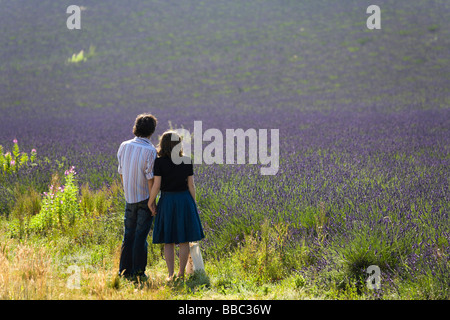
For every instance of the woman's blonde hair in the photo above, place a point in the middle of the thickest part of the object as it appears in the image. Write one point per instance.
(167, 142)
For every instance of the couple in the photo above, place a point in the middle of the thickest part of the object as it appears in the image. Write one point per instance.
(144, 171)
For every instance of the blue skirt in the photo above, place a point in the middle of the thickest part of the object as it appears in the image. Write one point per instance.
(177, 219)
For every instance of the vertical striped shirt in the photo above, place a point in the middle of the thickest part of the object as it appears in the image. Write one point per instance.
(136, 158)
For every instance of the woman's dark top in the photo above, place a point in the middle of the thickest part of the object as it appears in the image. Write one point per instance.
(173, 176)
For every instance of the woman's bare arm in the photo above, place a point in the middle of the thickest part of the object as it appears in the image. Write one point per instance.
(154, 192)
(191, 186)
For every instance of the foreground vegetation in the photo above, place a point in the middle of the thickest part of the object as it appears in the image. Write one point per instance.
(64, 243)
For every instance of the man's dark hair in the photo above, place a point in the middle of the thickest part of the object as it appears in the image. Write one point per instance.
(145, 125)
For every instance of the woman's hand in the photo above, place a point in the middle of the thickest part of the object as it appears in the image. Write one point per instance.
(153, 209)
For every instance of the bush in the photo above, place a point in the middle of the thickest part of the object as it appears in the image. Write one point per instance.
(60, 206)
(268, 256)
(94, 202)
(27, 205)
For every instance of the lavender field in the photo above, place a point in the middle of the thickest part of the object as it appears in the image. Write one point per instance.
(364, 124)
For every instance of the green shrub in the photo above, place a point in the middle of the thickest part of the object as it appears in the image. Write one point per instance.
(267, 256)
(60, 206)
(94, 202)
(26, 205)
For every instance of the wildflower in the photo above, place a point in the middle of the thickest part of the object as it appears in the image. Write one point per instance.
(70, 171)
(13, 163)
(33, 151)
(15, 141)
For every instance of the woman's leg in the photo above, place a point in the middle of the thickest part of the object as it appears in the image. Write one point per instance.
(184, 256)
(169, 255)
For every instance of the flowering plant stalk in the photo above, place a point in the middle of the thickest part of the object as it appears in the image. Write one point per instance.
(11, 162)
(60, 206)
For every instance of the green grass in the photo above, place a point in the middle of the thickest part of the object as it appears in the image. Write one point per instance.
(261, 267)
(253, 255)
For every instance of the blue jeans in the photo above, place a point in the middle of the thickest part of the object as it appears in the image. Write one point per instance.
(137, 222)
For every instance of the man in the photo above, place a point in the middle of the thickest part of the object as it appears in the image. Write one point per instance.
(136, 158)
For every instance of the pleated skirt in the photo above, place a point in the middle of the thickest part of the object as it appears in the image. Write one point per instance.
(177, 219)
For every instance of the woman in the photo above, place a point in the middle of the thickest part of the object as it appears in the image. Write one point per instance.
(177, 220)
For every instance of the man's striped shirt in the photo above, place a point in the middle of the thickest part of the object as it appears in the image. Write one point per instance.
(136, 158)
